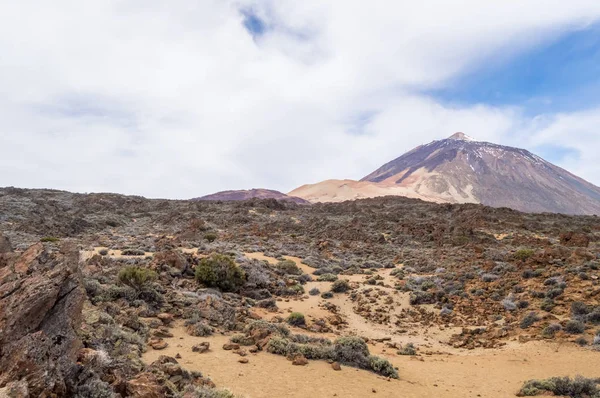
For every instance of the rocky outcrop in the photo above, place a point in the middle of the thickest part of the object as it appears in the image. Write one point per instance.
(41, 298)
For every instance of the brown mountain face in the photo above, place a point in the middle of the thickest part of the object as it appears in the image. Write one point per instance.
(251, 194)
(462, 170)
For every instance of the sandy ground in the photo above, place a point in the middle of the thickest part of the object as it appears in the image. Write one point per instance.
(439, 371)
(478, 373)
(87, 254)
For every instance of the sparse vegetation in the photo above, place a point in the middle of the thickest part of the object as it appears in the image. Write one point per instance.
(296, 319)
(219, 270)
(579, 387)
(136, 277)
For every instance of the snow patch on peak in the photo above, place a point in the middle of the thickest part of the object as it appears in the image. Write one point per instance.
(460, 136)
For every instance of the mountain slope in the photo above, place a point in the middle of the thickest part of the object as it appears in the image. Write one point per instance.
(251, 194)
(460, 169)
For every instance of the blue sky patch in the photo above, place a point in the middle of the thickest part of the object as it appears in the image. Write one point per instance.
(556, 154)
(562, 75)
(253, 23)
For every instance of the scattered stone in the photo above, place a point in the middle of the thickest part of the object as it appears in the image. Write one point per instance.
(158, 344)
(165, 318)
(202, 347)
(231, 346)
(300, 360)
(241, 352)
(243, 360)
(336, 366)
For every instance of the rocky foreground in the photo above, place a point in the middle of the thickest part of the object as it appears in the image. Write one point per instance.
(98, 293)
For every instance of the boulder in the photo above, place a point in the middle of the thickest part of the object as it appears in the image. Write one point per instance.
(145, 385)
(40, 311)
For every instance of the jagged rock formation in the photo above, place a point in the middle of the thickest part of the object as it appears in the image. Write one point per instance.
(251, 194)
(462, 170)
(41, 298)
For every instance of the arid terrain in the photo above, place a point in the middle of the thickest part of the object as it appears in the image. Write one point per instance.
(104, 295)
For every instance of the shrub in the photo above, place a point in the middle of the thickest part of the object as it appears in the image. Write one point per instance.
(547, 305)
(579, 387)
(210, 237)
(529, 320)
(489, 277)
(296, 319)
(551, 329)
(199, 329)
(220, 271)
(136, 277)
(509, 304)
(523, 254)
(52, 239)
(103, 252)
(574, 327)
(327, 278)
(340, 286)
(408, 349)
(581, 341)
(327, 295)
(594, 316)
(579, 309)
(242, 339)
(314, 291)
(289, 267)
(417, 298)
(351, 350)
(132, 252)
(382, 366)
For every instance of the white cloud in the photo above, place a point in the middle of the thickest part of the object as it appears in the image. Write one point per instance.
(178, 100)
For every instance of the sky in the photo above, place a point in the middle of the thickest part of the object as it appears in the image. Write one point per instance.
(183, 98)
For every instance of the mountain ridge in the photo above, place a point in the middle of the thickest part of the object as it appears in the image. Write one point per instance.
(460, 169)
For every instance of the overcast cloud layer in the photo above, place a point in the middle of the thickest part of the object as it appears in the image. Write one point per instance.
(183, 98)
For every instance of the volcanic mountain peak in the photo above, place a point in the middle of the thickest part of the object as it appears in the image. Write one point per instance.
(461, 170)
(460, 136)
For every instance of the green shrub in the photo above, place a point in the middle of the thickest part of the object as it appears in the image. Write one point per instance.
(296, 319)
(289, 267)
(242, 339)
(529, 320)
(408, 349)
(579, 387)
(220, 271)
(383, 367)
(314, 291)
(210, 237)
(574, 327)
(136, 277)
(350, 350)
(49, 239)
(523, 254)
(340, 286)
(327, 278)
(326, 295)
(132, 252)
